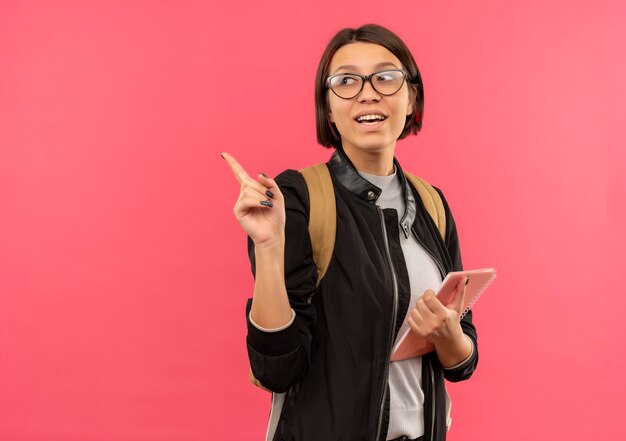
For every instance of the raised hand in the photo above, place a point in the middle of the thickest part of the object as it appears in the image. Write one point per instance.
(260, 208)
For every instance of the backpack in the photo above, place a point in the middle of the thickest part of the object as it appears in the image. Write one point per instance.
(323, 217)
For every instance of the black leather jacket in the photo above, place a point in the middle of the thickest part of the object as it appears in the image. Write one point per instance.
(332, 363)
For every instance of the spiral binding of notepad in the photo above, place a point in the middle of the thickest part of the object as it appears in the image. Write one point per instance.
(480, 293)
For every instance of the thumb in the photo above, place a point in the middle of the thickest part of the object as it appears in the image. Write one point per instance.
(459, 295)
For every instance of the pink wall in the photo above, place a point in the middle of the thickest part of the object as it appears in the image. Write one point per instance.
(123, 274)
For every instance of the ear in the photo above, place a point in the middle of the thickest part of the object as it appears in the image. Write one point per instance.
(411, 105)
(331, 118)
(409, 108)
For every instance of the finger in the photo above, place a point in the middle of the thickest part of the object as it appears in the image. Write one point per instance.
(244, 205)
(259, 192)
(413, 325)
(427, 298)
(271, 186)
(249, 185)
(425, 311)
(420, 324)
(459, 295)
(433, 303)
(253, 201)
(237, 169)
(416, 318)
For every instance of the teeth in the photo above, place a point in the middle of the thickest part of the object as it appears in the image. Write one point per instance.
(370, 118)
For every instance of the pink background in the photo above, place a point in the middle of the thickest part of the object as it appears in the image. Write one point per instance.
(123, 273)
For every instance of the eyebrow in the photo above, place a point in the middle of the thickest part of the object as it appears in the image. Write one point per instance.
(379, 65)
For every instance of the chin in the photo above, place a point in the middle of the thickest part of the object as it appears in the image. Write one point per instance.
(373, 144)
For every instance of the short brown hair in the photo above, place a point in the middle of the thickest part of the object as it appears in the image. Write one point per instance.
(327, 134)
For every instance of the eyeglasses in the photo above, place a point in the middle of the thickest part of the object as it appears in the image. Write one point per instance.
(347, 86)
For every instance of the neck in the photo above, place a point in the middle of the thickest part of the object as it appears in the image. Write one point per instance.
(379, 162)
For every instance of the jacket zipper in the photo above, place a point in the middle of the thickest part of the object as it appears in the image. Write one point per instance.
(439, 265)
(432, 384)
(393, 324)
(430, 366)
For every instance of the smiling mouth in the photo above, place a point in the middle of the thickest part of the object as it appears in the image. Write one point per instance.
(370, 119)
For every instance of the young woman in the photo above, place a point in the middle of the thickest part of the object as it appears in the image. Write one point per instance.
(324, 350)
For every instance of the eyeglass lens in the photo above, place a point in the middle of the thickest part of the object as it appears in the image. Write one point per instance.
(350, 85)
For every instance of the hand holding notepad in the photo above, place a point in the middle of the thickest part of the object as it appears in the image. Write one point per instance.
(410, 344)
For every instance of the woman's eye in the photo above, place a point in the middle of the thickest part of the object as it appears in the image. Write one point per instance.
(346, 81)
(384, 77)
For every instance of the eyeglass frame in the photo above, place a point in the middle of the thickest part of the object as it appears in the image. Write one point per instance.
(368, 78)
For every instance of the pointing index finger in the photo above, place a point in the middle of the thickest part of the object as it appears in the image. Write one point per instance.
(237, 169)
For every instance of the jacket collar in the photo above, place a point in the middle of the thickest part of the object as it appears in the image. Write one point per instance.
(342, 169)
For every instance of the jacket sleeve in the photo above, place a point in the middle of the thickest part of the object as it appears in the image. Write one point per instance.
(464, 370)
(279, 359)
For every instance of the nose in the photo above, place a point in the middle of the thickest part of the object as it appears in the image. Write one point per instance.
(368, 93)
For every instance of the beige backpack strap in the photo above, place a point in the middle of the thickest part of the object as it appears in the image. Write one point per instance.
(322, 215)
(432, 201)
